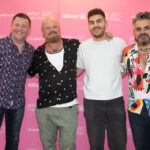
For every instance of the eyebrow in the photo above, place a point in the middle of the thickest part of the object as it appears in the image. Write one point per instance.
(95, 20)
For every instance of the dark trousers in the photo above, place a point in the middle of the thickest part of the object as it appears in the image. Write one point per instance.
(109, 115)
(140, 125)
(13, 120)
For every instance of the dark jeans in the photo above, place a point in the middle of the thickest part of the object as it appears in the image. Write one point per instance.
(13, 120)
(109, 114)
(140, 125)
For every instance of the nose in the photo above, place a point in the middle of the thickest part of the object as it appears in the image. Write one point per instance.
(19, 27)
(143, 30)
(95, 24)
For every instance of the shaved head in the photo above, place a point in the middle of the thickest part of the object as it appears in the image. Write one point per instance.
(51, 30)
(50, 19)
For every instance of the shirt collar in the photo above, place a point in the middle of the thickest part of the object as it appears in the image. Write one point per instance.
(11, 42)
(135, 47)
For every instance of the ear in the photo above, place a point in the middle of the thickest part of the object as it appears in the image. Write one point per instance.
(29, 31)
(42, 29)
(43, 33)
(109, 36)
(105, 23)
(11, 27)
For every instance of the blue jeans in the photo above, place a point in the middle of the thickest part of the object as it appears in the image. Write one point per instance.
(140, 125)
(109, 115)
(13, 120)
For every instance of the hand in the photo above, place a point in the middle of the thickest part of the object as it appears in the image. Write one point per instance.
(37, 75)
(123, 74)
(109, 36)
(28, 76)
(79, 72)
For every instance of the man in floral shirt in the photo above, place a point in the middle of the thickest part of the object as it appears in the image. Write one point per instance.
(136, 63)
(15, 58)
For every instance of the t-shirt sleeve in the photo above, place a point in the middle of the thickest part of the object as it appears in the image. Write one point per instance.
(80, 61)
(124, 45)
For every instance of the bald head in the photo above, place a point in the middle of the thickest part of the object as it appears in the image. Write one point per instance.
(51, 30)
(49, 20)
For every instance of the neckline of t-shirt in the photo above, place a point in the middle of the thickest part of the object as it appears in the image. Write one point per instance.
(98, 42)
(60, 53)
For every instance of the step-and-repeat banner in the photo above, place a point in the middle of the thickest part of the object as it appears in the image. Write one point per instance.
(72, 15)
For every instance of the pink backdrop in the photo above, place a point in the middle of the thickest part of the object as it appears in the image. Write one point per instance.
(72, 17)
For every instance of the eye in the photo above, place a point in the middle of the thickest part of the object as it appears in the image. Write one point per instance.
(147, 28)
(17, 25)
(47, 28)
(138, 29)
(54, 27)
(24, 26)
(99, 21)
(91, 22)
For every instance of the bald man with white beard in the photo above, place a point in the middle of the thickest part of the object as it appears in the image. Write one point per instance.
(55, 63)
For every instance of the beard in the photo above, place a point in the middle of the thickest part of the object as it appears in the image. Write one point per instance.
(101, 34)
(143, 41)
(53, 39)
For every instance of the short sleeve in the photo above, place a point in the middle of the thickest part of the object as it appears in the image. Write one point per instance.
(124, 60)
(80, 60)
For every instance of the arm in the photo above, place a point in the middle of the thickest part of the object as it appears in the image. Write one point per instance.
(79, 72)
(124, 70)
(37, 75)
(28, 76)
(32, 71)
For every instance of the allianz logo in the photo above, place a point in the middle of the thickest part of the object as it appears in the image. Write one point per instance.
(2, 129)
(32, 84)
(113, 16)
(33, 130)
(6, 15)
(35, 39)
(31, 107)
(80, 130)
(81, 108)
(34, 149)
(74, 16)
(1, 36)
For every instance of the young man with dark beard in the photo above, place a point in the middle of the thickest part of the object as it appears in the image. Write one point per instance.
(103, 100)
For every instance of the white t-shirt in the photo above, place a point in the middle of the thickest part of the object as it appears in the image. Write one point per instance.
(57, 61)
(101, 61)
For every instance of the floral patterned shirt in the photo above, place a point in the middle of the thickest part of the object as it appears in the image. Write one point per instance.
(139, 81)
(13, 72)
